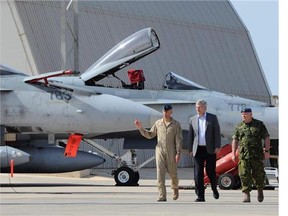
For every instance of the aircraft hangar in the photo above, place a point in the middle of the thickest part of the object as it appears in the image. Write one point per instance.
(204, 41)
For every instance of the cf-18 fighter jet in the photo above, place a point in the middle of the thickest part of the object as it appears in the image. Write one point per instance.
(56, 106)
(178, 91)
(38, 115)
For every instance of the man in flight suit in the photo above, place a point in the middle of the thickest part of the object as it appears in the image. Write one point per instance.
(168, 149)
(249, 134)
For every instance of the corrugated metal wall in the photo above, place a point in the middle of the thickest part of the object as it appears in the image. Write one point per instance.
(203, 41)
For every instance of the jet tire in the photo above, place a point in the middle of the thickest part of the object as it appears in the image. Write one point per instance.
(125, 176)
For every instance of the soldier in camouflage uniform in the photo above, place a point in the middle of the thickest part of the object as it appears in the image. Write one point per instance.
(168, 148)
(249, 133)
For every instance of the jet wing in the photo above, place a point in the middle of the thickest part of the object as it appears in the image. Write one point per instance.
(123, 54)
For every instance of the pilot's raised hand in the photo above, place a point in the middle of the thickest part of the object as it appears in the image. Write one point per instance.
(138, 124)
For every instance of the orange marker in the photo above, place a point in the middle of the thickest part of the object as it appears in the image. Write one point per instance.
(72, 145)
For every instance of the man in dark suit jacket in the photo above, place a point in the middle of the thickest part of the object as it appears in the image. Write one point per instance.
(204, 142)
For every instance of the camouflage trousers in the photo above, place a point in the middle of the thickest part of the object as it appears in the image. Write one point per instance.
(251, 173)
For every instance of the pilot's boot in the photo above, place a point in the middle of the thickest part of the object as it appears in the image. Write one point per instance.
(162, 194)
(176, 194)
(260, 196)
(162, 199)
(246, 196)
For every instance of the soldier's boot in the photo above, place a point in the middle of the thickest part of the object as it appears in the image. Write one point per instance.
(260, 196)
(176, 194)
(246, 196)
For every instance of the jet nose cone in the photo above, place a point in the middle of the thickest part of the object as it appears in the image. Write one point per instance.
(146, 115)
(116, 114)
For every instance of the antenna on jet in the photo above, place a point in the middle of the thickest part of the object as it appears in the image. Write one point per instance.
(73, 31)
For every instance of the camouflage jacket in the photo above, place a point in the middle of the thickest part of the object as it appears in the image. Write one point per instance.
(250, 139)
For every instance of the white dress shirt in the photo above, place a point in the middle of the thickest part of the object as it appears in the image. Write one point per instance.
(202, 129)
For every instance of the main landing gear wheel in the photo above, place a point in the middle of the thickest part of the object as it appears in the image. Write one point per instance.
(125, 176)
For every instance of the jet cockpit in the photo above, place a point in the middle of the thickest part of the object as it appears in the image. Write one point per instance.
(175, 81)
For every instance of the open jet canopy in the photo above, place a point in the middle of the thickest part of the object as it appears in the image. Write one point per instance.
(123, 54)
(175, 81)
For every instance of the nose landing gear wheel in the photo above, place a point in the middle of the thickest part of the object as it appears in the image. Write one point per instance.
(125, 176)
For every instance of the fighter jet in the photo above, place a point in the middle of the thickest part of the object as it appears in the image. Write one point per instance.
(39, 117)
(62, 105)
(178, 91)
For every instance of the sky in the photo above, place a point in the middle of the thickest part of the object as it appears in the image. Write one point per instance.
(261, 19)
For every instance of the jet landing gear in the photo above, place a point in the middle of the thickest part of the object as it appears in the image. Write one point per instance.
(127, 173)
(125, 176)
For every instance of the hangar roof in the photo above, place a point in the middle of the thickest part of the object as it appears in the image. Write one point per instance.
(204, 41)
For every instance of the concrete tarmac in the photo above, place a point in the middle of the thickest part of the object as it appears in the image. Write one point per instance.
(31, 194)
